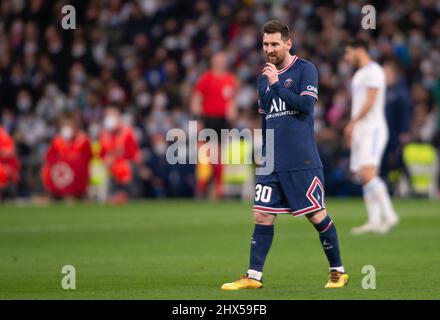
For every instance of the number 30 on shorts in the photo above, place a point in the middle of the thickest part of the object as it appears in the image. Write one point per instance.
(263, 193)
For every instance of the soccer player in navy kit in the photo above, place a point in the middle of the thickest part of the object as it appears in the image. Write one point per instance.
(287, 91)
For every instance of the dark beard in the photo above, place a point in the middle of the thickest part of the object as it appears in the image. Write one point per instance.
(277, 62)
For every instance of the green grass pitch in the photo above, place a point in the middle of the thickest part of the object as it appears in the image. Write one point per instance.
(181, 250)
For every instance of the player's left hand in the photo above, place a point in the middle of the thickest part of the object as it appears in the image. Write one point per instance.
(271, 72)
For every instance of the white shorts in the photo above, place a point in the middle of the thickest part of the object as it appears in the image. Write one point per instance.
(367, 146)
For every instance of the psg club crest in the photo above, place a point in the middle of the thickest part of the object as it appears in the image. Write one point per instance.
(288, 83)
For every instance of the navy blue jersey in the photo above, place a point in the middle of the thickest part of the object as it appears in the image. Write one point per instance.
(287, 108)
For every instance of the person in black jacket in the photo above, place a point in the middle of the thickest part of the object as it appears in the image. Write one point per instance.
(398, 110)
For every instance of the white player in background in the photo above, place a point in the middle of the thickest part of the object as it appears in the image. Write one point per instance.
(367, 136)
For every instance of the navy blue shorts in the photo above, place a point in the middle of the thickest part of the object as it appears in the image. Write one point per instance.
(295, 192)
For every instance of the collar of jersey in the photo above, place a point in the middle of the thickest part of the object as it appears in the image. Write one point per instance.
(289, 65)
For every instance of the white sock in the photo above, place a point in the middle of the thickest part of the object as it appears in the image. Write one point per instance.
(254, 274)
(340, 269)
(372, 203)
(381, 194)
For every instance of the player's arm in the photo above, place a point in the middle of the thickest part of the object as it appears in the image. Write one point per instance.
(263, 97)
(369, 102)
(231, 108)
(196, 103)
(231, 111)
(263, 125)
(304, 104)
(305, 101)
(262, 101)
(197, 97)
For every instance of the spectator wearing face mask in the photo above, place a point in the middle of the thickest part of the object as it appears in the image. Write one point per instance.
(66, 169)
(121, 154)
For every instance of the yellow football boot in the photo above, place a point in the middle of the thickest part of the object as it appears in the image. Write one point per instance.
(337, 279)
(243, 283)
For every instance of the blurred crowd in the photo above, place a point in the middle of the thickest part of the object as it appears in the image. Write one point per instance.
(144, 57)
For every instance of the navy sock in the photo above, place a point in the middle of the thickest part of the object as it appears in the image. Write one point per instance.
(329, 241)
(260, 245)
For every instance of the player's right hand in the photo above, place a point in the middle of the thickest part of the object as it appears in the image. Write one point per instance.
(348, 132)
(271, 72)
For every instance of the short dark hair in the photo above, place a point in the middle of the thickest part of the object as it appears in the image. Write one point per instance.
(357, 43)
(275, 26)
(68, 116)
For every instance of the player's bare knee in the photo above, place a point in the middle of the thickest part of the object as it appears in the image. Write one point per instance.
(317, 217)
(264, 218)
(367, 173)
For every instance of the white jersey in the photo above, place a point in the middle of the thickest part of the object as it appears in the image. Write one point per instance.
(369, 76)
(370, 134)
